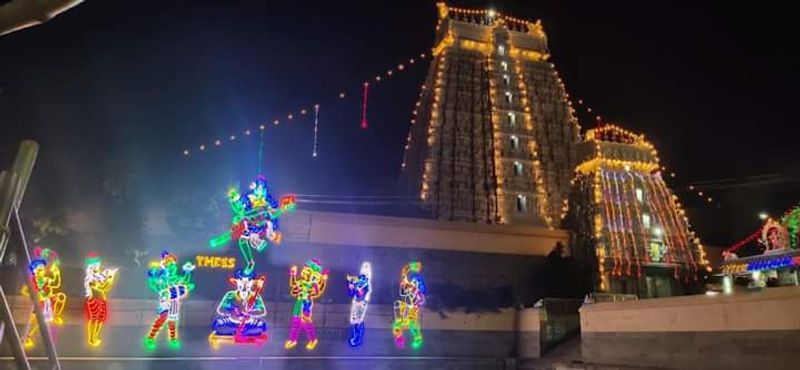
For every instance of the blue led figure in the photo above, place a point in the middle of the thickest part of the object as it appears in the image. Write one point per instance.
(359, 288)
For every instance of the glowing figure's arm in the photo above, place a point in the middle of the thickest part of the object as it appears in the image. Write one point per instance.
(320, 288)
(259, 309)
(55, 281)
(293, 287)
(224, 308)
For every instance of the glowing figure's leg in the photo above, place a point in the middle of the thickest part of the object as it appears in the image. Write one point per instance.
(294, 331)
(311, 334)
(59, 301)
(397, 330)
(416, 332)
(247, 255)
(150, 340)
(357, 334)
(174, 342)
(33, 329)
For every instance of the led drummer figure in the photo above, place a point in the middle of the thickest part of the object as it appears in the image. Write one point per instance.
(172, 288)
(241, 312)
(255, 220)
(97, 283)
(305, 288)
(407, 308)
(360, 289)
(46, 278)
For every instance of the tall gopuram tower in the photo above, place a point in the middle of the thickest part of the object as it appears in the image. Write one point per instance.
(628, 224)
(494, 135)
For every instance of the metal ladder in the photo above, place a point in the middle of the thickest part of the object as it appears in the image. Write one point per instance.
(12, 189)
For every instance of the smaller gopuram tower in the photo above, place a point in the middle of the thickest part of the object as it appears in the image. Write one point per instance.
(629, 226)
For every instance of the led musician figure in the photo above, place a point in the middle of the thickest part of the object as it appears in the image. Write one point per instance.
(306, 287)
(163, 279)
(241, 312)
(407, 308)
(97, 283)
(255, 220)
(45, 269)
(359, 288)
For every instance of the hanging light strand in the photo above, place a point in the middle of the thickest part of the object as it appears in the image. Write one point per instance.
(187, 152)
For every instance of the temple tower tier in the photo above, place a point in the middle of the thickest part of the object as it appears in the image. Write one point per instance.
(495, 136)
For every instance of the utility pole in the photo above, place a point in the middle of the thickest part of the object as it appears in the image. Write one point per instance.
(12, 190)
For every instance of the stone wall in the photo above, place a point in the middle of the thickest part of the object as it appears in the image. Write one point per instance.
(742, 331)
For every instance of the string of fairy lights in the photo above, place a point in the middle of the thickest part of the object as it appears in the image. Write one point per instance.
(698, 191)
(304, 110)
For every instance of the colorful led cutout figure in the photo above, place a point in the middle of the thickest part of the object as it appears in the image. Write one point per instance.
(45, 269)
(360, 289)
(241, 312)
(255, 220)
(407, 308)
(97, 283)
(163, 279)
(305, 288)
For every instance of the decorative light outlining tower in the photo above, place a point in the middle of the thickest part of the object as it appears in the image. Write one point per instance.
(628, 224)
(494, 135)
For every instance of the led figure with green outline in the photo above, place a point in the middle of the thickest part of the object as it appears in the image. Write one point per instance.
(163, 279)
(255, 220)
(45, 269)
(407, 308)
(305, 288)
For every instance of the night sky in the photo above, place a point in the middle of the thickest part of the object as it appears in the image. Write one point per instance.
(117, 89)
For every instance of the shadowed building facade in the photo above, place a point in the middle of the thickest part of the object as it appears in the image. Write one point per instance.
(493, 138)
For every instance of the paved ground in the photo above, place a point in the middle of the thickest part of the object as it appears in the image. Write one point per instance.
(304, 363)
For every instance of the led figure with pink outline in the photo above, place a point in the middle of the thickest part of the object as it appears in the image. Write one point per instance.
(358, 287)
(307, 287)
(407, 308)
(45, 269)
(241, 312)
(172, 288)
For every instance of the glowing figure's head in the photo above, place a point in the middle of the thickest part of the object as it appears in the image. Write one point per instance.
(364, 275)
(169, 263)
(312, 272)
(247, 284)
(92, 264)
(38, 267)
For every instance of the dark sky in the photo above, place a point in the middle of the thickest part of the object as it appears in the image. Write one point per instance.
(123, 87)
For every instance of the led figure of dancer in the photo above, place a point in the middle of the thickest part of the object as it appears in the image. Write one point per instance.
(360, 289)
(241, 312)
(255, 220)
(163, 279)
(46, 278)
(407, 308)
(97, 283)
(305, 288)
